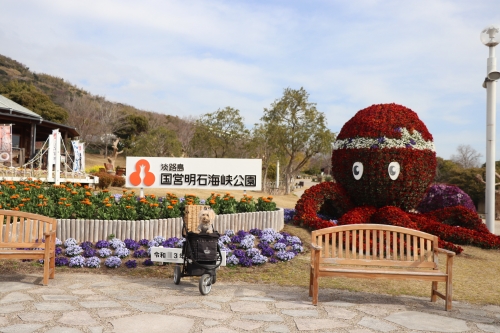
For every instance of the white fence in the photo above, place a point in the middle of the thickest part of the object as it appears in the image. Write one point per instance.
(94, 230)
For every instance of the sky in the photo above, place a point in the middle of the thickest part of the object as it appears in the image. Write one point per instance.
(189, 58)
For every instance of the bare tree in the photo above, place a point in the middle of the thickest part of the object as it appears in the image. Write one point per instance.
(467, 157)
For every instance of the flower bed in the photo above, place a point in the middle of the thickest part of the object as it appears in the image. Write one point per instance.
(243, 248)
(73, 201)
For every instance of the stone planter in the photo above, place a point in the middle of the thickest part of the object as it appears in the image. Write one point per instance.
(94, 230)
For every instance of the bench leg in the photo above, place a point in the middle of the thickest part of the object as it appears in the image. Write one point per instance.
(52, 267)
(449, 294)
(433, 289)
(311, 282)
(315, 288)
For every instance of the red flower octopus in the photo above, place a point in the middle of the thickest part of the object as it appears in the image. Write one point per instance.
(383, 162)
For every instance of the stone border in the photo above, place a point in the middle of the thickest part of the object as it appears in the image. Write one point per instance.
(95, 230)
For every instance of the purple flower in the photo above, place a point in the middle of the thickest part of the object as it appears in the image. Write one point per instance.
(374, 147)
(242, 233)
(236, 239)
(93, 262)
(408, 145)
(232, 247)
(113, 262)
(102, 244)
(89, 252)
(288, 215)
(131, 264)
(412, 142)
(267, 251)
(86, 245)
(239, 253)
(143, 242)
(256, 232)
(131, 244)
(140, 254)
(78, 261)
(273, 260)
(246, 261)
(122, 252)
(381, 140)
(62, 261)
(58, 251)
(148, 262)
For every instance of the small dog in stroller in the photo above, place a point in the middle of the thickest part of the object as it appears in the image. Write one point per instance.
(206, 217)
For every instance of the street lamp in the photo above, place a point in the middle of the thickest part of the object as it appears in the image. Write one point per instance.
(490, 36)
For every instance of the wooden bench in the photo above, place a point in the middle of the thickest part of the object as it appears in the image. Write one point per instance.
(28, 236)
(375, 251)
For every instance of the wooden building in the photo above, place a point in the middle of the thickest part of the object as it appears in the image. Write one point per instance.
(28, 128)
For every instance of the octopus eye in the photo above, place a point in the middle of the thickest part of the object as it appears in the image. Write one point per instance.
(394, 169)
(357, 170)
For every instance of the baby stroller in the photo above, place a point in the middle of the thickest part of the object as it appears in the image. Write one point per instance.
(202, 255)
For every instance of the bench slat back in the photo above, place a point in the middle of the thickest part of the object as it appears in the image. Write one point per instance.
(24, 230)
(376, 245)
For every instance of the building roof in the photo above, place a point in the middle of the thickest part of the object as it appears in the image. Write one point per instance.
(11, 106)
(11, 111)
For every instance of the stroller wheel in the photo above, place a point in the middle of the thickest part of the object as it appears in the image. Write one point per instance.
(205, 284)
(177, 274)
(214, 278)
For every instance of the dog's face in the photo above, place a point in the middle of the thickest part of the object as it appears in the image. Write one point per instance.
(206, 216)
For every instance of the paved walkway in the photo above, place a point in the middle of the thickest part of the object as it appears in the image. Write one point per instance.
(104, 303)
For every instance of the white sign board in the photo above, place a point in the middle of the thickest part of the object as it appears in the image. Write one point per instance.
(199, 173)
(174, 255)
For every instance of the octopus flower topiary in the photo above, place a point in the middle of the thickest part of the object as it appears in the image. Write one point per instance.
(384, 163)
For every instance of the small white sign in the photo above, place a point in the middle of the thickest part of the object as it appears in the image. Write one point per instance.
(174, 255)
(195, 173)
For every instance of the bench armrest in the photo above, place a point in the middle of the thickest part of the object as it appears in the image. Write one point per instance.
(49, 233)
(316, 247)
(447, 252)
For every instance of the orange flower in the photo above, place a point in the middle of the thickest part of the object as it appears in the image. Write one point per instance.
(109, 205)
(21, 205)
(38, 187)
(124, 191)
(155, 205)
(12, 187)
(173, 202)
(88, 194)
(63, 199)
(15, 208)
(61, 203)
(270, 197)
(105, 190)
(170, 207)
(74, 192)
(26, 188)
(67, 205)
(212, 202)
(39, 205)
(40, 196)
(226, 199)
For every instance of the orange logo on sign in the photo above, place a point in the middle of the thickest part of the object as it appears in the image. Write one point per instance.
(142, 173)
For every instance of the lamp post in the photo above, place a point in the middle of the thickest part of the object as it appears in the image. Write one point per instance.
(490, 36)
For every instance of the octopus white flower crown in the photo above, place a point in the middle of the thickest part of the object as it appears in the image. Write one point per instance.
(408, 140)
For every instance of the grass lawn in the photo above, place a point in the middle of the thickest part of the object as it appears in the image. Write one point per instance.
(475, 271)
